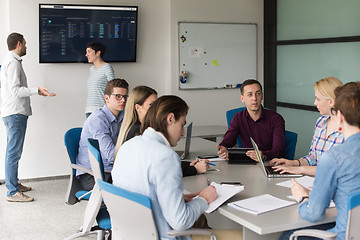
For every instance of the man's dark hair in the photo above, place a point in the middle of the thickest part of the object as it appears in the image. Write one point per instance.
(13, 39)
(115, 83)
(97, 46)
(249, 82)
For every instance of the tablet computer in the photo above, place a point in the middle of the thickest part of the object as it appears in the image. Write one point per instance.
(238, 156)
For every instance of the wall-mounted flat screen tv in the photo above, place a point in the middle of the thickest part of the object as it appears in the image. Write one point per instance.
(66, 29)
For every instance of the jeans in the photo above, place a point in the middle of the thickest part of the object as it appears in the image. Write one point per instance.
(15, 130)
(286, 235)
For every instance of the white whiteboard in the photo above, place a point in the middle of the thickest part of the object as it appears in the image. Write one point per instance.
(216, 55)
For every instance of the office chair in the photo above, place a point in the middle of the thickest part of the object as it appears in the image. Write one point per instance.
(74, 192)
(139, 221)
(290, 137)
(352, 227)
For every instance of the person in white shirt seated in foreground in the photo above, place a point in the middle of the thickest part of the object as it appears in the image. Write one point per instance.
(147, 164)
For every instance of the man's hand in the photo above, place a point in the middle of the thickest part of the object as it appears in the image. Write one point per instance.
(251, 154)
(223, 152)
(44, 92)
(209, 194)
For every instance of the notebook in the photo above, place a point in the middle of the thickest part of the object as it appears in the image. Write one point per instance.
(185, 153)
(238, 156)
(268, 170)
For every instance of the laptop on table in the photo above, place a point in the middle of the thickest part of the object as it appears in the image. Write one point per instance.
(185, 153)
(268, 170)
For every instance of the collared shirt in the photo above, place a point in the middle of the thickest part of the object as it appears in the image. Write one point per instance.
(320, 143)
(268, 132)
(96, 84)
(337, 176)
(15, 93)
(103, 126)
(147, 165)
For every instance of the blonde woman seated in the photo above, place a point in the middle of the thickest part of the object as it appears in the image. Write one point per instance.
(137, 105)
(326, 134)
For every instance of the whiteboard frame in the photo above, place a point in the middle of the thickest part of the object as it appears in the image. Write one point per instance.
(220, 23)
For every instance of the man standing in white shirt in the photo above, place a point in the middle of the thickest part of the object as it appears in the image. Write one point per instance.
(15, 110)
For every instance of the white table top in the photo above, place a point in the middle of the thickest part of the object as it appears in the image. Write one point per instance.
(256, 183)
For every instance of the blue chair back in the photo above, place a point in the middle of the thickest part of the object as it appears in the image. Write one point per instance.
(94, 149)
(290, 137)
(352, 228)
(229, 116)
(71, 140)
(290, 144)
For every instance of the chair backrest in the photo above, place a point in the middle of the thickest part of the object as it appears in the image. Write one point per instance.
(229, 116)
(352, 229)
(290, 144)
(130, 213)
(71, 140)
(95, 159)
(290, 137)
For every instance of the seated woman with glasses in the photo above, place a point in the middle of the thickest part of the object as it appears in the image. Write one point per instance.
(140, 100)
(338, 173)
(326, 134)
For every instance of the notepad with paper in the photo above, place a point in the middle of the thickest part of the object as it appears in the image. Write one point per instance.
(224, 192)
(260, 204)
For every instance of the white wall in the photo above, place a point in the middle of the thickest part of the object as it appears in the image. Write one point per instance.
(157, 66)
(44, 152)
(209, 106)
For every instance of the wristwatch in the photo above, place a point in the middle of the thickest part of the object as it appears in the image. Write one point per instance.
(303, 198)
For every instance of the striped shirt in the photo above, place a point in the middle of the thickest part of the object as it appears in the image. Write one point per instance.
(96, 84)
(320, 143)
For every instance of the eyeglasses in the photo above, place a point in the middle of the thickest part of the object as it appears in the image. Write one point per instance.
(333, 111)
(120, 97)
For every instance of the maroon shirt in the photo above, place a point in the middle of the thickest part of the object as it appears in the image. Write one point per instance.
(268, 132)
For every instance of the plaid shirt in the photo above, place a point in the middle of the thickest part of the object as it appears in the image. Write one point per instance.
(320, 143)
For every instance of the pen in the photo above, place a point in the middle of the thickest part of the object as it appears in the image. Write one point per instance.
(207, 162)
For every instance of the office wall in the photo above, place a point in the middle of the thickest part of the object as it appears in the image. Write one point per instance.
(209, 106)
(157, 62)
(44, 152)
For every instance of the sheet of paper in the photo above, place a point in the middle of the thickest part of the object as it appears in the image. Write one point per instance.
(260, 204)
(306, 182)
(224, 192)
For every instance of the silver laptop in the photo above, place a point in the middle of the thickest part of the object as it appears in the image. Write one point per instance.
(268, 170)
(185, 153)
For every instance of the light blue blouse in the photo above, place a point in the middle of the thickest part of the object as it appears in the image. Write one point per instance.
(147, 165)
(337, 176)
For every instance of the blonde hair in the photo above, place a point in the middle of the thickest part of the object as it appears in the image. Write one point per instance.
(137, 96)
(326, 87)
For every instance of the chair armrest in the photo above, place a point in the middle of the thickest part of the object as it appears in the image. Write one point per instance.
(191, 231)
(314, 233)
(81, 168)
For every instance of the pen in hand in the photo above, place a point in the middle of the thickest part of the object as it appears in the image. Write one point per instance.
(207, 162)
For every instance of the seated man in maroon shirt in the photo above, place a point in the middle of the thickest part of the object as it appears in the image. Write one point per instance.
(265, 126)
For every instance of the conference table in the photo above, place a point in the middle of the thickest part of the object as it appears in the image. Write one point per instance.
(263, 226)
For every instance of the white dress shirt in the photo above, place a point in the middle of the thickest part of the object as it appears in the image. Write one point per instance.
(15, 93)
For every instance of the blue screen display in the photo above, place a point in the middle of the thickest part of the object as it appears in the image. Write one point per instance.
(66, 29)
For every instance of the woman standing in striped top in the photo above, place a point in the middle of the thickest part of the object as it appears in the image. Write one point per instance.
(100, 73)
